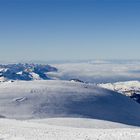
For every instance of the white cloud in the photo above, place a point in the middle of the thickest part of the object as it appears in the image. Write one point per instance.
(98, 71)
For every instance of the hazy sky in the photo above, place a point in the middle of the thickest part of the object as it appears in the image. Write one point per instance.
(69, 29)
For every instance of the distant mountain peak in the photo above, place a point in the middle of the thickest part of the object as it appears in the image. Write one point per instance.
(25, 71)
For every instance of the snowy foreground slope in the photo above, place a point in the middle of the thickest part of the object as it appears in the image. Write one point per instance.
(28, 130)
(55, 98)
(65, 110)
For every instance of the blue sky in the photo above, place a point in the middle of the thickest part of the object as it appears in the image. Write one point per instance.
(69, 29)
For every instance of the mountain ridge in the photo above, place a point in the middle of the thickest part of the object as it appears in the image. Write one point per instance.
(25, 71)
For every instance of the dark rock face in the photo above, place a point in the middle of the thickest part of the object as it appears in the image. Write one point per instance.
(136, 97)
(77, 80)
(25, 71)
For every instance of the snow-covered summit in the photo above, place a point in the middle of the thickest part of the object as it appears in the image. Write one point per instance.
(128, 88)
(24, 71)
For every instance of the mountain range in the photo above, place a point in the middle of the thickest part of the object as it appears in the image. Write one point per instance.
(25, 71)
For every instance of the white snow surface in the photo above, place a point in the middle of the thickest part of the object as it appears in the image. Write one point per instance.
(56, 98)
(122, 86)
(28, 130)
(64, 110)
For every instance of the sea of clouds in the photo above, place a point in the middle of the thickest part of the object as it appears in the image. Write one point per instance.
(98, 71)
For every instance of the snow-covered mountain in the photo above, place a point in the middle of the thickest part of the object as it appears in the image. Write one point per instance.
(65, 110)
(128, 88)
(55, 98)
(25, 71)
(69, 108)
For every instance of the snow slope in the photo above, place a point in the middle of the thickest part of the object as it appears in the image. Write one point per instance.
(65, 110)
(128, 88)
(81, 123)
(28, 130)
(123, 87)
(55, 98)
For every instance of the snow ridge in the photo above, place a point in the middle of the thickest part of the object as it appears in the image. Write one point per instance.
(56, 98)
